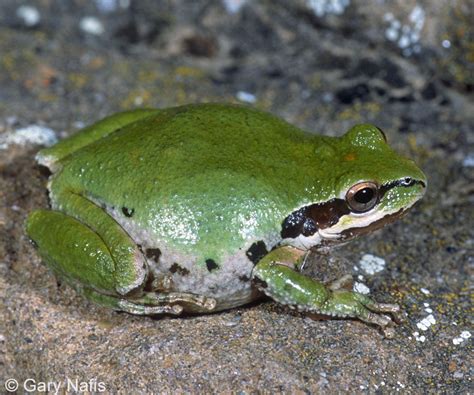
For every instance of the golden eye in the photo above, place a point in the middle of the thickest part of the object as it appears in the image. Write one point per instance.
(363, 196)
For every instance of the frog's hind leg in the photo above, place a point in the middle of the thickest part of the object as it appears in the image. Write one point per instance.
(100, 260)
(82, 257)
(86, 244)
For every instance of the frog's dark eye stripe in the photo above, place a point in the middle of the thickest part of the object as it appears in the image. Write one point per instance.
(307, 220)
(362, 197)
(404, 182)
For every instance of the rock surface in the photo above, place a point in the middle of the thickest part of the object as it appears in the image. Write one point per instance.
(323, 65)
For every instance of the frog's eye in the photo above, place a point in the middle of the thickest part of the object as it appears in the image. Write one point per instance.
(362, 196)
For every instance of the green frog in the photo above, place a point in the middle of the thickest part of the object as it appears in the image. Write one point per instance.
(206, 207)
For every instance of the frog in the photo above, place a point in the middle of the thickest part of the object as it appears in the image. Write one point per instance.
(201, 208)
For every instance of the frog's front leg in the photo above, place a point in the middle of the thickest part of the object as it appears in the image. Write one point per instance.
(277, 276)
(91, 251)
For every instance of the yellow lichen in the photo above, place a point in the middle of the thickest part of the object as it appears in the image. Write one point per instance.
(77, 80)
(186, 71)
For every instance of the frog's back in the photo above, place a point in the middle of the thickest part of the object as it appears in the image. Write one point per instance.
(194, 139)
(205, 179)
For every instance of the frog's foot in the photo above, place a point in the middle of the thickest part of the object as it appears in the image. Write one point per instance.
(139, 309)
(192, 301)
(129, 306)
(343, 303)
(153, 303)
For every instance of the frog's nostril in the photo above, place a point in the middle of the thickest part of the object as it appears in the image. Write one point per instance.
(408, 182)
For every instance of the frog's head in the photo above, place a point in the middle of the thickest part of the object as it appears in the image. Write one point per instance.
(369, 185)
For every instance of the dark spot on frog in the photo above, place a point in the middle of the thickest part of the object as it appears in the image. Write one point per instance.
(260, 284)
(257, 251)
(244, 278)
(176, 268)
(128, 212)
(211, 265)
(33, 243)
(153, 253)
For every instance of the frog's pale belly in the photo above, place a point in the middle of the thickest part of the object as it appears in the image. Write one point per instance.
(229, 284)
(229, 281)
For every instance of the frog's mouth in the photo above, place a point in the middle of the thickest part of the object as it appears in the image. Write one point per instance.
(331, 235)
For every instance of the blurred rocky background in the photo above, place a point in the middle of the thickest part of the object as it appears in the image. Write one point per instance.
(407, 66)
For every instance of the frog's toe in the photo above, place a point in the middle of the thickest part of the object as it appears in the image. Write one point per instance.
(352, 304)
(132, 308)
(376, 318)
(210, 304)
(390, 308)
(385, 323)
(175, 303)
(372, 313)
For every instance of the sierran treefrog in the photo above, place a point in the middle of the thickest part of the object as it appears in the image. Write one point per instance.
(206, 207)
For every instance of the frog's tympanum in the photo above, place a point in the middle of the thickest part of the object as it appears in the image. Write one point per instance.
(202, 208)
